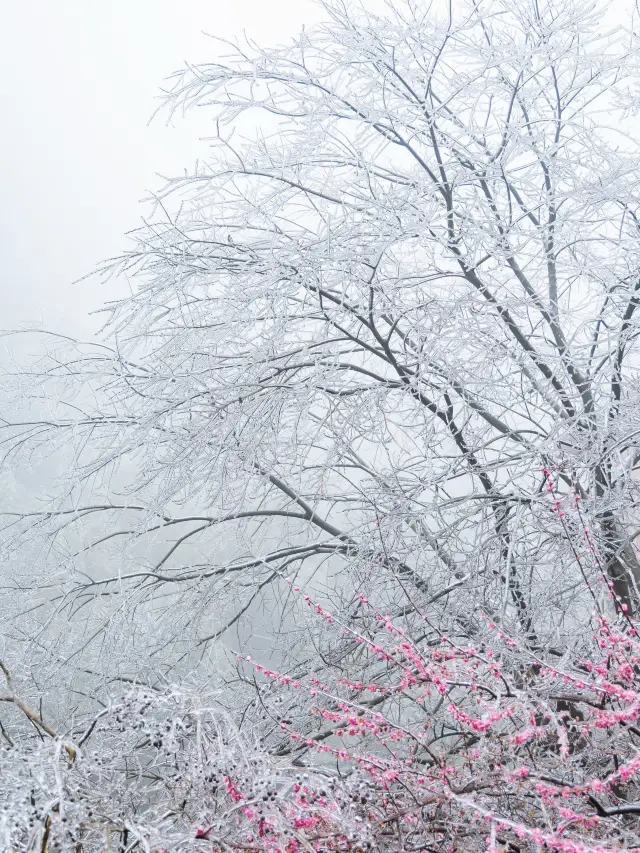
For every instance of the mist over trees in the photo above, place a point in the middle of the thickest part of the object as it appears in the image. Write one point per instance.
(381, 350)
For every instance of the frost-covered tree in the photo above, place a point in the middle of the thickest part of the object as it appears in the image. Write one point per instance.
(364, 345)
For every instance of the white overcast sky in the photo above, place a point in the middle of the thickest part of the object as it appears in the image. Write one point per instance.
(78, 84)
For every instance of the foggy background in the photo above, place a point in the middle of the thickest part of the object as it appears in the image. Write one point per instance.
(79, 82)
